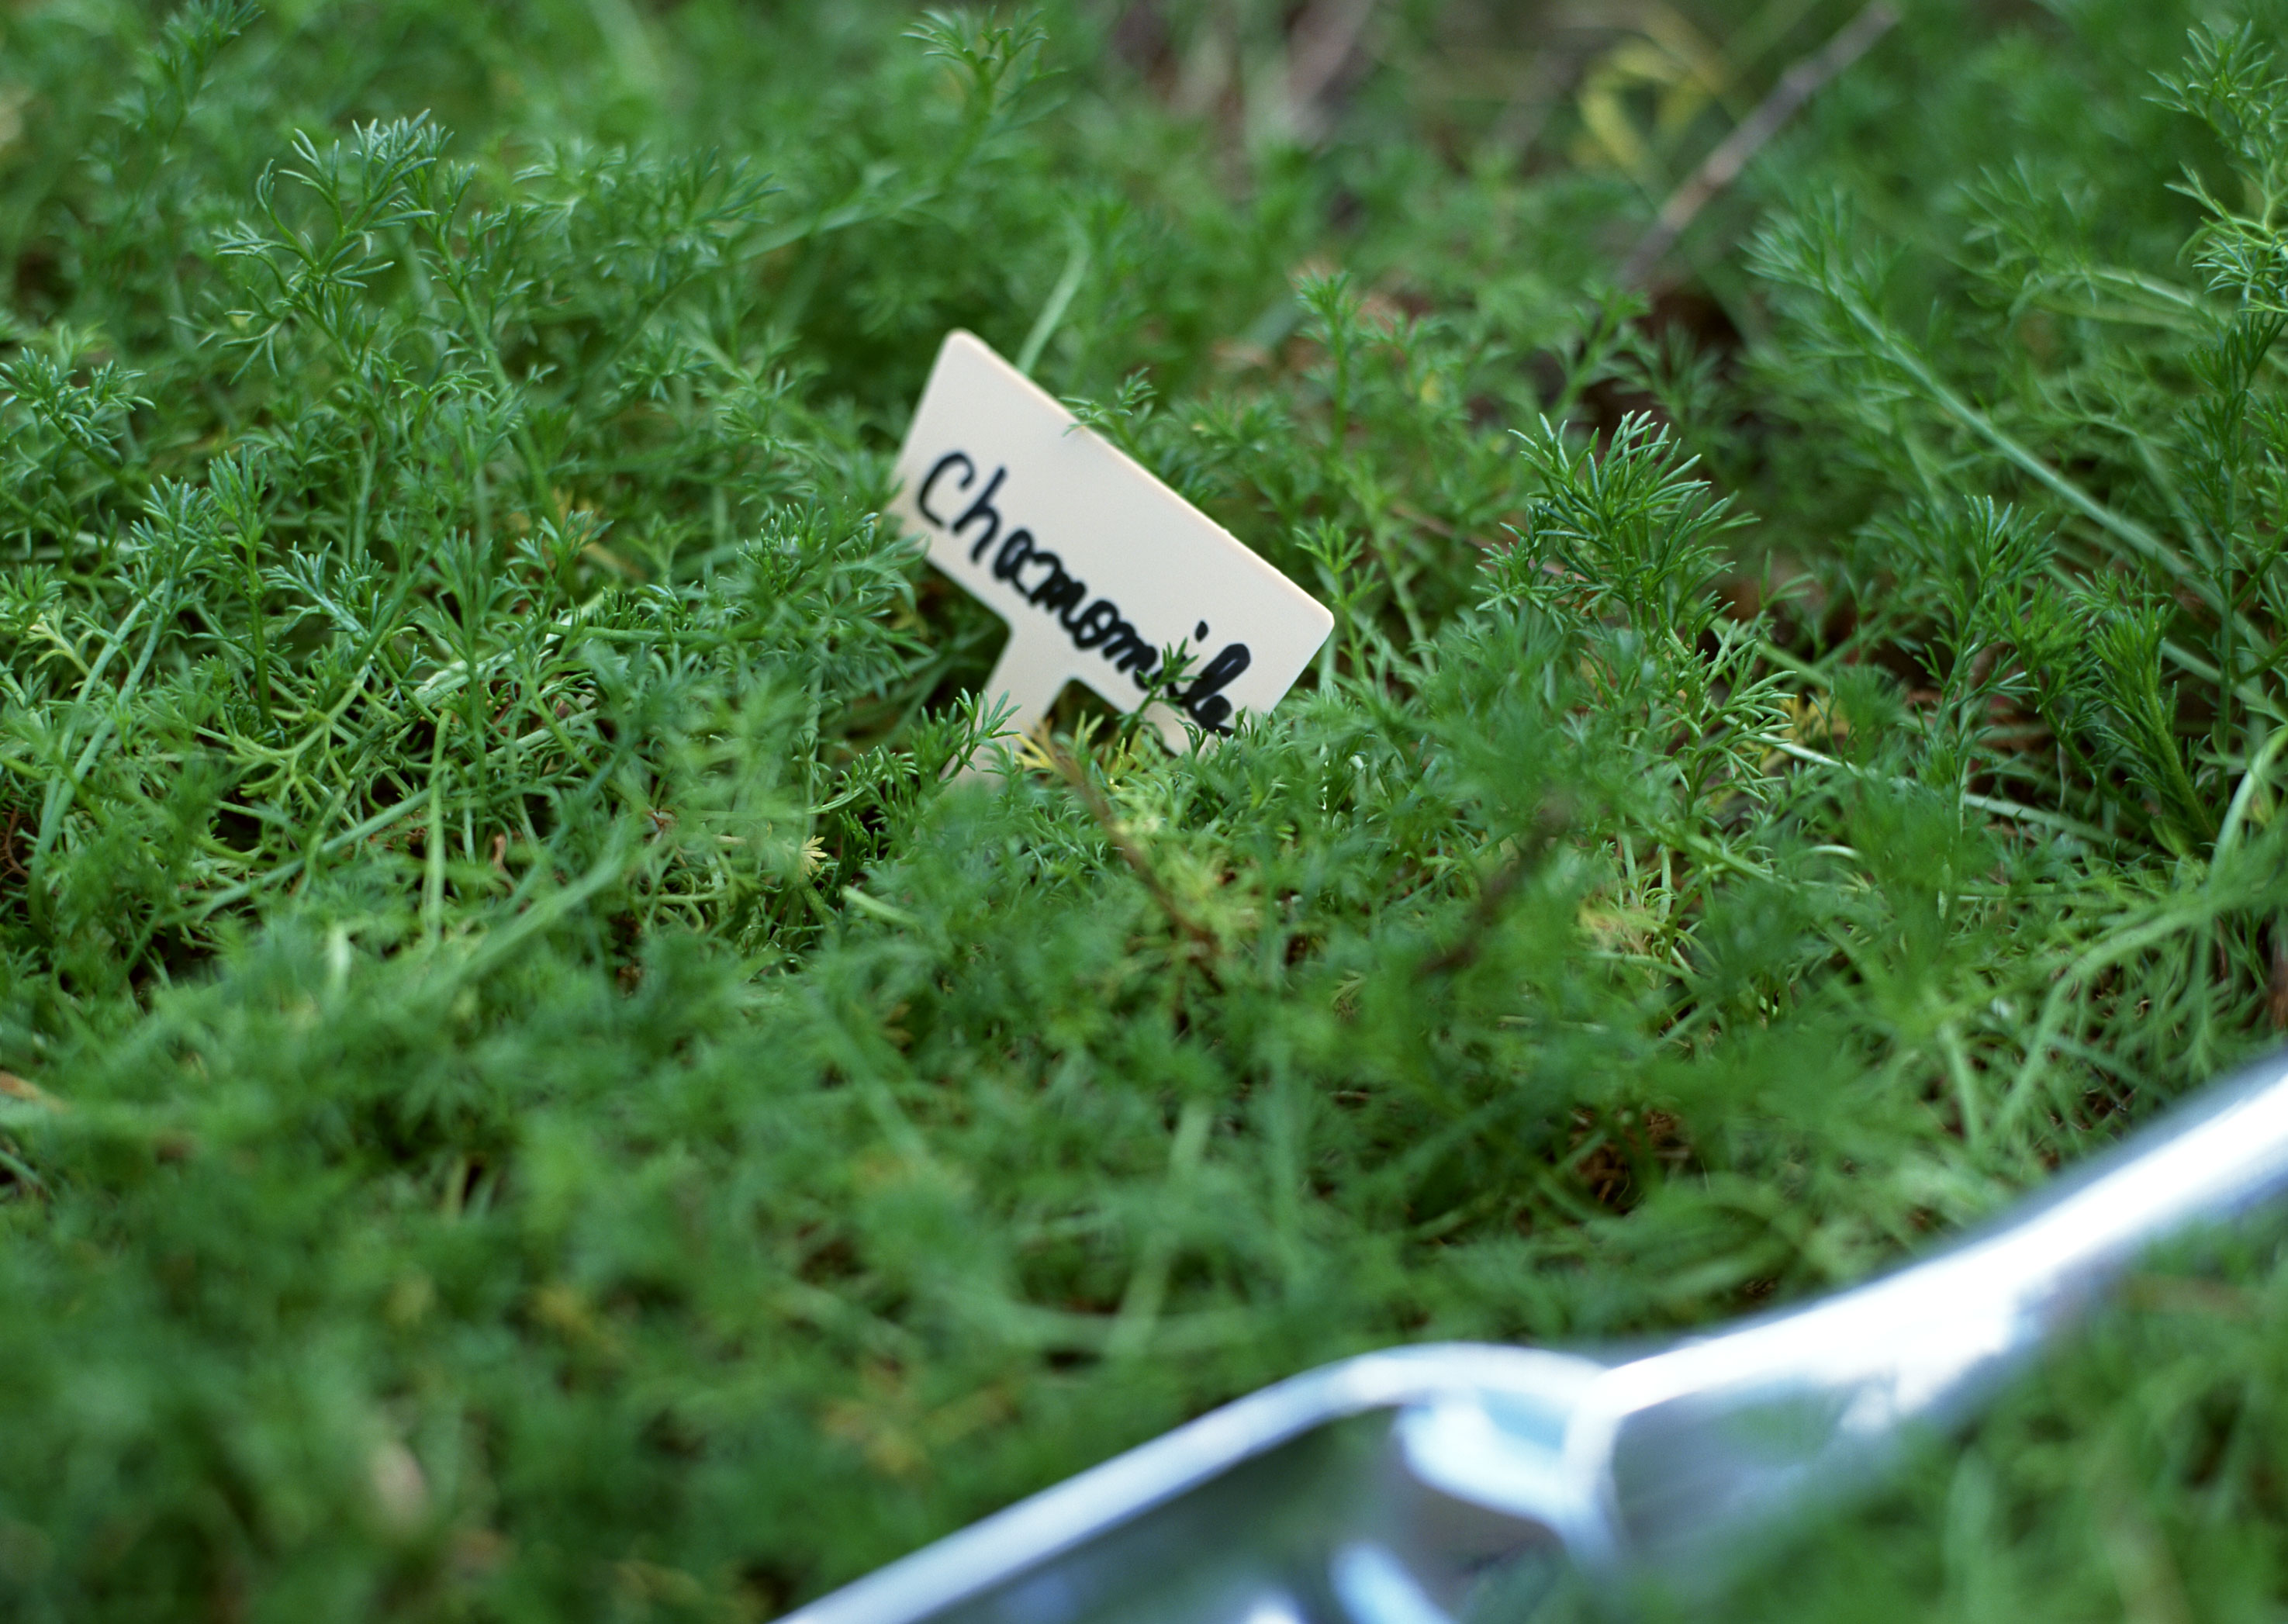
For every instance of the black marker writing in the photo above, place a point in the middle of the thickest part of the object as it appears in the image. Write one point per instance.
(944, 462)
(983, 508)
(1098, 625)
(1203, 699)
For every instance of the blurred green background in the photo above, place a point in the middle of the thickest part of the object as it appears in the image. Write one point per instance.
(522, 1098)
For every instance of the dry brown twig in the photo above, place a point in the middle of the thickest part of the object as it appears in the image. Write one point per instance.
(2275, 1002)
(1202, 940)
(1322, 41)
(1548, 825)
(1733, 154)
(29, 1092)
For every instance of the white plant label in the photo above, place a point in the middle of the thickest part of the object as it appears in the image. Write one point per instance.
(1096, 567)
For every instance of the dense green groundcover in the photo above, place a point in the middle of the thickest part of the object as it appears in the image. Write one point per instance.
(524, 1098)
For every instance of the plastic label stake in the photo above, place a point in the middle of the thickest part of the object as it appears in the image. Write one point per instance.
(1097, 568)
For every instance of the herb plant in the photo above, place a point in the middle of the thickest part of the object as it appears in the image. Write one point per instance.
(528, 1095)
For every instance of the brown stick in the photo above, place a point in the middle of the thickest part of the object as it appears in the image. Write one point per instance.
(1485, 914)
(1204, 942)
(2276, 1003)
(1722, 167)
(1322, 41)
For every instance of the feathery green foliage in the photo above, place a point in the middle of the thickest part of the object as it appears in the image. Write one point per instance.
(528, 1097)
